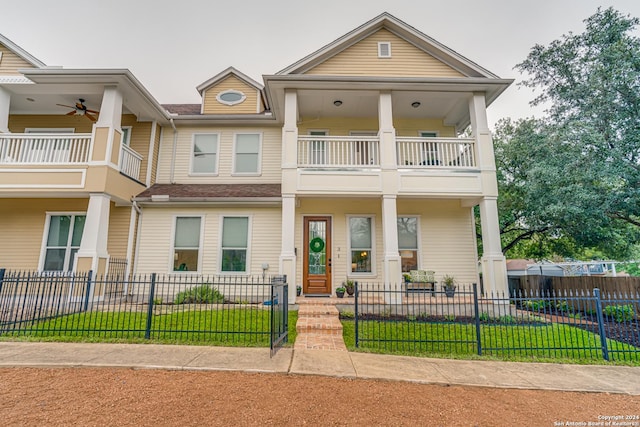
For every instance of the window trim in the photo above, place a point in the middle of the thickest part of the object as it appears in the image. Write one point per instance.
(373, 271)
(45, 236)
(192, 155)
(127, 141)
(235, 144)
(174, 222)
(247, 266)
(418, 238)
(380, 44)
(219, 95)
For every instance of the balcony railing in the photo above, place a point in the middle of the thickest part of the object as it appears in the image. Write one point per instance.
(338, 152)
(420, 153)
(42, 148)
(130, 163)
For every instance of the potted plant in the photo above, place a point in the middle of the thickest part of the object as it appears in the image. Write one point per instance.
(407, 278)
(298, 290)
(449, 285)
(340, 292)
(349, 287)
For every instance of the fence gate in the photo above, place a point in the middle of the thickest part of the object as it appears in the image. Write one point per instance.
(279, 313)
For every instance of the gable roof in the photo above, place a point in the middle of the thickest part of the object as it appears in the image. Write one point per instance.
(224, 74)
(402, 30)
(21, 52)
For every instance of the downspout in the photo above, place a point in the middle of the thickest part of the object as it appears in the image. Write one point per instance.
(173, 155)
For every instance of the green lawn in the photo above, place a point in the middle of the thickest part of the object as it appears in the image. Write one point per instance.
(180, 327)
(552, 342)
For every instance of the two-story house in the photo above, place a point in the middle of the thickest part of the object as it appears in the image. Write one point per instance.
(346, 164)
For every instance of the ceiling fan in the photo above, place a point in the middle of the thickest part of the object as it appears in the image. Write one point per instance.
(81, 110)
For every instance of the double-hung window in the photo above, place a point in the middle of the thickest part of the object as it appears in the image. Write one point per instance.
(247, 154)
(204, 155)
(408, 242)
(235, 244)
(64, 234)
(361, 244)
(186, 243)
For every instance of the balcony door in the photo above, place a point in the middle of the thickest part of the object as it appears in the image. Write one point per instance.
(317, 255)
(362, 154)
(47, 149)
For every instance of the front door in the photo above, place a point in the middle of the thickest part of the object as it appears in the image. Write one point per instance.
(317, 255)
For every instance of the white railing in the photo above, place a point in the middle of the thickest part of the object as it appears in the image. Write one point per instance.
(420, 153)
(338, 151)
(130, 162)
(42, 148)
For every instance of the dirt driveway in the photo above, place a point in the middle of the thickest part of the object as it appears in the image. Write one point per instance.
(126, 397)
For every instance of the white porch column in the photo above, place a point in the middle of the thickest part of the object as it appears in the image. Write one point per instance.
(107, 130)
(392, 261)
(288, 251)
(494, 265)
(5, 101)
(93, 254)
(387, 133)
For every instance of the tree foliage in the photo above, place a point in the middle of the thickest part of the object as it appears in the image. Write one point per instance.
(571, 181)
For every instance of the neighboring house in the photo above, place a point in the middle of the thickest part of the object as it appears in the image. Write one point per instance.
(345, 164)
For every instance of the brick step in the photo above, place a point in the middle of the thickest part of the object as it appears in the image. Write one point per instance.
(317, 310)
(320, 325)
(313, 341)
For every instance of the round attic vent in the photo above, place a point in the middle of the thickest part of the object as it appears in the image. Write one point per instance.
(231, 97)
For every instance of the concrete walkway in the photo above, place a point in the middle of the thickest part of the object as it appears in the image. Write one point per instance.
(537, 376)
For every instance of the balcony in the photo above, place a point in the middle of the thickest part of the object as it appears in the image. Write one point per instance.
(353, 165)
(435, 153)
(50, 150)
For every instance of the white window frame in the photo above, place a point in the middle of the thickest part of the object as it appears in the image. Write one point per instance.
(243, 97)
(351, 273)
(247, 265)
(126, 141)
(259, 165)
(418, 239)
(380, 53)
(45, 237)
(174, 222)
(192, 155)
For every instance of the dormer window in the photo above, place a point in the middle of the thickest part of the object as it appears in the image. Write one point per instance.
(231, 97)
(384, 49)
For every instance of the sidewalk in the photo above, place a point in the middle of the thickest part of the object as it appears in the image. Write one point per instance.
(535, 376)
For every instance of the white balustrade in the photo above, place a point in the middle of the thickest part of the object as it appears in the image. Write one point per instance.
(338, 151)
(42, 148)
(130, 162)
(420, 153)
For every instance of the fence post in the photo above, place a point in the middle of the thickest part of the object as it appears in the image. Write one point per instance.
(152, 291)
(88, 291)
(477, 318)
(2, 270)
(601, 331)
(356, 311)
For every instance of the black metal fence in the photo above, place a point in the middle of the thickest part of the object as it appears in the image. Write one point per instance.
(574, 325)
(223, 310)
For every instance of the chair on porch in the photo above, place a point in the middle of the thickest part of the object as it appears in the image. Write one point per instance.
(421, 281)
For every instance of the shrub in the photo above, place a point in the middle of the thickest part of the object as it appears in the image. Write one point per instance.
(507, 320)
(203, 294)
(484, 317)
(536, 304)
(563, 306)
(621, 313)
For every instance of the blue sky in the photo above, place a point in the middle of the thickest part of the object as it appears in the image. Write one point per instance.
(172, 47)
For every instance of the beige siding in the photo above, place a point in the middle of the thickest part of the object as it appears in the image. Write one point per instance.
(10, 63)
(270, 159)
(156, 239)
(406, 60)
(447, 241)
(140, 138)
(156, 153)
(18, 123)
(22, 228)
(118, 231)
(248, 106)
(345, 125)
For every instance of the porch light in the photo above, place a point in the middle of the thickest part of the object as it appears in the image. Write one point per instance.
(337, 103)
(415, 104)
